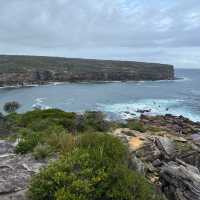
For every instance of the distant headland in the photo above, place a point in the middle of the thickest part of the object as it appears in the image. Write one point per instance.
(23, 70)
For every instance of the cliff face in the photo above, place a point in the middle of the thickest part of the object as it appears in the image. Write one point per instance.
(34, 69)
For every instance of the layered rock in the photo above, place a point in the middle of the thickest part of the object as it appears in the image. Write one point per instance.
(180, 181)
(167, 154)
(15, 172)
(29, 69)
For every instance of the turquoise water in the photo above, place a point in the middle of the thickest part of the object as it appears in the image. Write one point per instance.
(117, 99)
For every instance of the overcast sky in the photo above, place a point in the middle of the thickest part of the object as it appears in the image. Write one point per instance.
(166, 31)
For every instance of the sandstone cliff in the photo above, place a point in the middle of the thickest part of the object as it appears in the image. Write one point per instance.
(34, 69)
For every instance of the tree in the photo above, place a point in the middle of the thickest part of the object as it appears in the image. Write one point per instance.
(11, 106)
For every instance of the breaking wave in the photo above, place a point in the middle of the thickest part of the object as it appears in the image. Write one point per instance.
(149, 107)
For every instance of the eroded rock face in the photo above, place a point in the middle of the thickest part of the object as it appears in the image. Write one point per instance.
(169, 156)
(15, 172)
(180, 181)
(166, 146)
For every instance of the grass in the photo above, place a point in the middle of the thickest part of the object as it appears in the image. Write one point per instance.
(91, 164)
(95, 169)
(135, 124)
(42, 151)
(52, 127)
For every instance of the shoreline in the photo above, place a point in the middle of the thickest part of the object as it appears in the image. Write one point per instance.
(27, 85)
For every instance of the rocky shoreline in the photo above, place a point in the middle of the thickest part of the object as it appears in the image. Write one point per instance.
(168, 155)
(166, 152)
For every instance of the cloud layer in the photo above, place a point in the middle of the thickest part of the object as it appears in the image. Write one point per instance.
(148, 30)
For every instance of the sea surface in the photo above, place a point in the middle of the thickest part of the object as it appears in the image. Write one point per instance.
(120, 100)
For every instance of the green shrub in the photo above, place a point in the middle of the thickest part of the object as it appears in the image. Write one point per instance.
(27, 144)
(42, 151)
(136, 125)
(28, 141)
(45, 120)
(50, 117)
(95, 121)
(61, 142)
(104, 145)
(11, 106)
(85, 174)
(12, 121)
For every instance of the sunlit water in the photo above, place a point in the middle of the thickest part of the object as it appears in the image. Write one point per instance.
(117, 99)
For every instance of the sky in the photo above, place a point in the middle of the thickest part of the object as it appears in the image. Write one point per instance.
(164, 31)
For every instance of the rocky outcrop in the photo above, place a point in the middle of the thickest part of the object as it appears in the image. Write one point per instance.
(180, 181)
(15, 172)
(167, 153)
(21, 70)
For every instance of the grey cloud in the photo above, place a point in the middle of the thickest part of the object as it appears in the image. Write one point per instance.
(120, 29)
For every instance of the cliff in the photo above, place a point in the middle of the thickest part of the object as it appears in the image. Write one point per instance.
(37, 69)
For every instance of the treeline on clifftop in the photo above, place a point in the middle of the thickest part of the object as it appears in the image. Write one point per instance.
(22, 70)
(90, 163)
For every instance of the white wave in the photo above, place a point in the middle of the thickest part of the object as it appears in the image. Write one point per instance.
(181, 79)
(19, 86)
(41, 107)
(56, 83)
(153, 106)
(40, 100)
(39, 104)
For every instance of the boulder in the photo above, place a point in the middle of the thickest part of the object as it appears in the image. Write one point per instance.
(166, 146)
(6, 147)
(180, 181)
(137, 165)
(15, 174)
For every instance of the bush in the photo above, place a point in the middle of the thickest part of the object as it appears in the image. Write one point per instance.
(96, 121)
(42, 151)
(45, 118)
(136, 125)
(104, 145)
(61, 142)
(28, 141)
(85, 174)
(12, 106)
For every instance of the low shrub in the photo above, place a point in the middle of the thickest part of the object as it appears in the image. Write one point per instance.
(104, 145)
(27, 143)
(61, 142)
(44, 118)
(42, 151)
(40, 120)
(96, 121)
(136, 125)
(12, 121)
(86, 174)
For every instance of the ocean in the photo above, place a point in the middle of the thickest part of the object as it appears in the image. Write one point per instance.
(119, 100)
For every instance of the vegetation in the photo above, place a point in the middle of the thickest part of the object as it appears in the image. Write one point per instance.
(91, 164)
(41, 152)
(134, 124)
(11, 63)
(53, 127)
(91, 172)
(12, 106)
